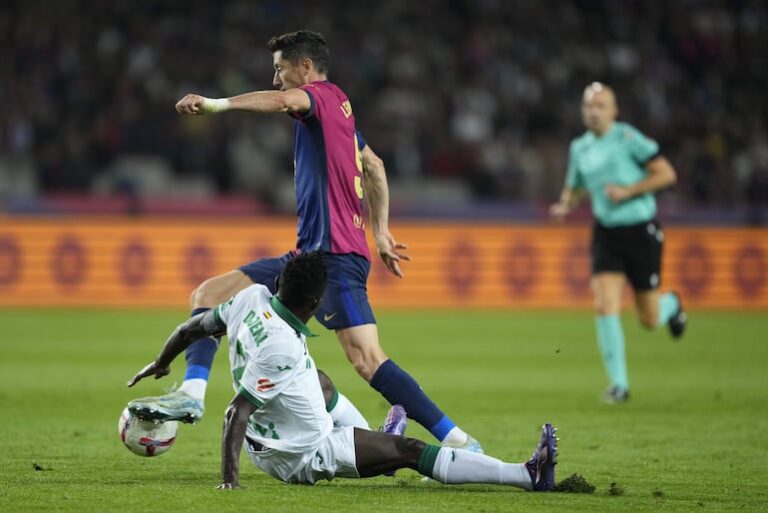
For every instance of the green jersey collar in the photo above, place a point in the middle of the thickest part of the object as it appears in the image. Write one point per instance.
(288, 317)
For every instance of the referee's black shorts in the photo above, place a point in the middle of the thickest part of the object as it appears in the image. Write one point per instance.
(634, 250)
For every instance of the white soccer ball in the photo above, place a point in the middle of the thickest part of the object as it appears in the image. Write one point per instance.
(146, 438)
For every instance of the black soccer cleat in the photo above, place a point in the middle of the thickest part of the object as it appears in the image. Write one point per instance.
(615, 395)
(678, 321)
(541, 466)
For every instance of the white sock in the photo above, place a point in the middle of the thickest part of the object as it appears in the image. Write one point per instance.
(194, 388)
(455, 466)
(455, 438)
(344, 413)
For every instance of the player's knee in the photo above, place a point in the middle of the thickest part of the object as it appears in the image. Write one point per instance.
(205, 295)
(327, 385)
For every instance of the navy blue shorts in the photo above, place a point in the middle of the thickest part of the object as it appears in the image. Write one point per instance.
(345, 303)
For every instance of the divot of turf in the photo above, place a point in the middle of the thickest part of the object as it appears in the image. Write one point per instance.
(575, 484)
(615, 489)
(659, 494)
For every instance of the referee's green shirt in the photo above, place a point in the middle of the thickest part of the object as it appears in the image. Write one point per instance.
(617, 157)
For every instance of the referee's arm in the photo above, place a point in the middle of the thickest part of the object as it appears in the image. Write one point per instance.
(660, 175)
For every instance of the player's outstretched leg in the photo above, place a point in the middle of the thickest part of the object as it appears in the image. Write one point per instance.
(377, 453)
(361, 344)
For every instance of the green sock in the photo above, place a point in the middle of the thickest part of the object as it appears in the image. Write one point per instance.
(610, 338)
(668, 306)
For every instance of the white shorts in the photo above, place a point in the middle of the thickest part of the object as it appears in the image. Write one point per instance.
(334, 457)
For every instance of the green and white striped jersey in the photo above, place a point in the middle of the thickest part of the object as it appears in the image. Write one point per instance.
(271, 366)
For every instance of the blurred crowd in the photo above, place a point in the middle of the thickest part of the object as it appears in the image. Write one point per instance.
(484, 94)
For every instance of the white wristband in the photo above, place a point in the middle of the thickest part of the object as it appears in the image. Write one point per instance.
(214, 105)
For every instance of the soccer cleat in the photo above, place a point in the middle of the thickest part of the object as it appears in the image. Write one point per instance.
(615, 395)
(678, 321)
(176, 405)
(395, 424)
(541, 466)
(396, 421)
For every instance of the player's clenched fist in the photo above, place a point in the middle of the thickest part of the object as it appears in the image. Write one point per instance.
(196, 104)
(191, 104)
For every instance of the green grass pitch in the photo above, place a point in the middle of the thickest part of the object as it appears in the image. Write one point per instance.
(693, 436)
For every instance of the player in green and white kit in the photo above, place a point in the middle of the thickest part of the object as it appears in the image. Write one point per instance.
(279, 409)
(620, 169)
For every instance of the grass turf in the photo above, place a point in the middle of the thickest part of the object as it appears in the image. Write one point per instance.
(691, 438)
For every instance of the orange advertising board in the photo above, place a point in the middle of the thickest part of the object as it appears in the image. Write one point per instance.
(157, 262)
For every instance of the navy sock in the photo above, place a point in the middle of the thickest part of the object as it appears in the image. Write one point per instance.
(199, 354)
(398, 387)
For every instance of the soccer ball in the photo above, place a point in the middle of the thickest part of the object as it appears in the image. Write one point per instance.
(146, 438)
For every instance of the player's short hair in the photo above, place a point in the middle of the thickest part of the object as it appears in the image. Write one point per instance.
(302, 44)
(303, 279)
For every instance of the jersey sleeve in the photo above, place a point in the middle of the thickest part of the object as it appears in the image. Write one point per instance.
(222, 313)
(266, 376)
(314, 97)
(642, 148)
(572, 176)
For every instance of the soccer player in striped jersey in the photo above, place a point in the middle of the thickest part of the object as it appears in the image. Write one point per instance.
(335, 169)
(620, 168)
(279, 407)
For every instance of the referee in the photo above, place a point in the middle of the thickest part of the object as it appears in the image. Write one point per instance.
(620, 169)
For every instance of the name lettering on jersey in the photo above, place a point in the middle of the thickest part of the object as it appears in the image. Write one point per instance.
(346, 108)
(359, 223)
(256, 327)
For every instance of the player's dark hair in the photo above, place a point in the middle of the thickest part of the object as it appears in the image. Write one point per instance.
(302, 44)
(302, 281)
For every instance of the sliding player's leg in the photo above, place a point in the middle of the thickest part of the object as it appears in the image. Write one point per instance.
(378, 453)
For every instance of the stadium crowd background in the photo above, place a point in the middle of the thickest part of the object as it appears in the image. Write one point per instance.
(470, 103)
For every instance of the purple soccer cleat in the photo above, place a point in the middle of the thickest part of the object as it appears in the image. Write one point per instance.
(395, 424)
(541, 466)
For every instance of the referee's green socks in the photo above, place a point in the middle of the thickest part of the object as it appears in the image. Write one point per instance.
(610, 338)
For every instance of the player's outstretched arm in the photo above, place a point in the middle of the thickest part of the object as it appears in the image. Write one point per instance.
(660, 175)
(569, 199)
(197, 327)
(377, 194)
(235, 423)
(292, 100)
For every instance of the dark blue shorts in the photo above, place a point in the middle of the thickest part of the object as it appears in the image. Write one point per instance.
(345, 303)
